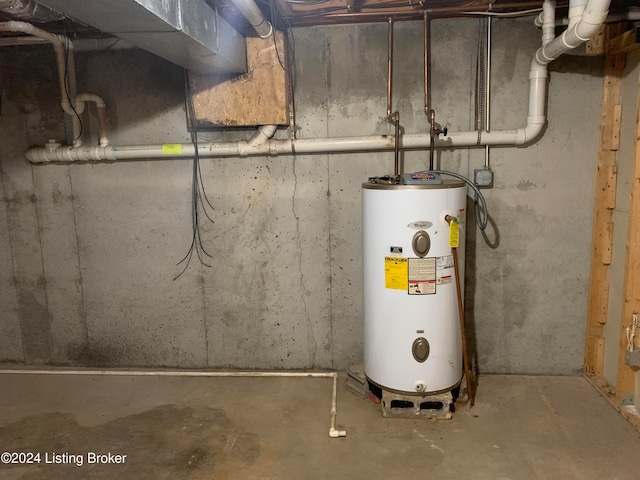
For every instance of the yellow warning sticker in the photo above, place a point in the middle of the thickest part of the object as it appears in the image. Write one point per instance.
(396, 273)
(454, 233)
(171, 149)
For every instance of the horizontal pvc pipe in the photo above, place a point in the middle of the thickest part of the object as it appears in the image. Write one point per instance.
(333, 432)
(592, 18)
(55, 153)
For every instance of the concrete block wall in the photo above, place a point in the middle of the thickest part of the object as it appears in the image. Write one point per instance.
(88, 253)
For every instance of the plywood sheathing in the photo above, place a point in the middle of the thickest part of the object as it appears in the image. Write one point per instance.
(257, 97)
(605, 195)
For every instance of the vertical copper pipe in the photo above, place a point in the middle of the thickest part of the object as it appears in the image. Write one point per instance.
(471, 392)
(432, 137)
(397, 145)
(389, 67)
(427, 61)
(465, 354)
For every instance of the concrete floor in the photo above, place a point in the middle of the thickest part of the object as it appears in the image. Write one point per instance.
(275, 428)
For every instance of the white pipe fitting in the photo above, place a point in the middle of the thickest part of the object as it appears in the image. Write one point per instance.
(333, 432)
(261, 143)
(72, 103)
(254, 16)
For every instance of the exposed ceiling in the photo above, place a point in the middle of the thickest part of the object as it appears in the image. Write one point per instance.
(207, 36)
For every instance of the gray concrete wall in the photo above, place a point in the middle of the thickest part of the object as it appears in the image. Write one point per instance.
(89, 251)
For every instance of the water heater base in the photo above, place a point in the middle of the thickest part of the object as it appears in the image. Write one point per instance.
(437, 407)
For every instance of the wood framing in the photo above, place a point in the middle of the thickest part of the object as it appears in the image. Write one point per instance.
(605, 195)
(626, 42)
(630, 413)
(626, 380)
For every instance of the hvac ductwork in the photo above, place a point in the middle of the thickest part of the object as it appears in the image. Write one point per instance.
(188, 33)
(30, 10)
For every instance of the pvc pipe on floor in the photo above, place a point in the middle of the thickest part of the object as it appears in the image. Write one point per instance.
(333, 432)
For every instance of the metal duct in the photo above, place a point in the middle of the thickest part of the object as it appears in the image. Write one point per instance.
(188, 33)
(30, 10)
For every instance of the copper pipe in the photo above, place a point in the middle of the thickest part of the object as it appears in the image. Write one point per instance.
(427, 62)
(432, 134)
(308, 17)
(396, 159)
(389, 67)
(471, 391)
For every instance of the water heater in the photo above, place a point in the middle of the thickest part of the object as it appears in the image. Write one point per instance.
(412, 337)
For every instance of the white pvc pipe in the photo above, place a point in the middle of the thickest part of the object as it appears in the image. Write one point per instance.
(100, 112)
(333, 432)
(592, 18)
(254, 16)
(71, 102)
(264, 133)
(65, 63)
(54, 152)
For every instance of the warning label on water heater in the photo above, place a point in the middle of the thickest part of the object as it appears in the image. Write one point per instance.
(396, 273)
(422, 276)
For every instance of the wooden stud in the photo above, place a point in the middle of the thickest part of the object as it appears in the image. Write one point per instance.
(597, 44)
(612, 180)
(603, 202)
(626, 379)
(607, 243)
(630, 413)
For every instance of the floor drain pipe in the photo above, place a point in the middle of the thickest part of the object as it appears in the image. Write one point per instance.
(333, 432)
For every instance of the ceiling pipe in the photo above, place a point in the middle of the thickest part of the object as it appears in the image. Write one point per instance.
(30, 10)
(71, 103)
(254, 16)
(592, 18)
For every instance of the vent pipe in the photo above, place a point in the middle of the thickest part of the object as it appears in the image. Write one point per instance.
(254, 16)
(71, 103)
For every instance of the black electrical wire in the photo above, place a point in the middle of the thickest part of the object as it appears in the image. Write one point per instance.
(199, 199)
(67, 48)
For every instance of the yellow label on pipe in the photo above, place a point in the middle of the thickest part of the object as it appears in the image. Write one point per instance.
(171, 149)
(454, 233)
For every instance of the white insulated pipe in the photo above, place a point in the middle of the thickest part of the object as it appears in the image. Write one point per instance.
(333, 432)
(254, 16)
(594, 14)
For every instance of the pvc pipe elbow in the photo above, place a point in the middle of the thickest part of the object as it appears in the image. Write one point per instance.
(538, 20)
(333, 433)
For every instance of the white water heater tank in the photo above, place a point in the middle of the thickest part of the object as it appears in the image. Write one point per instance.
(412, 338)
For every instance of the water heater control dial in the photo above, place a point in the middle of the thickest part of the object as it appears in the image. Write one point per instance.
(421, 243)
